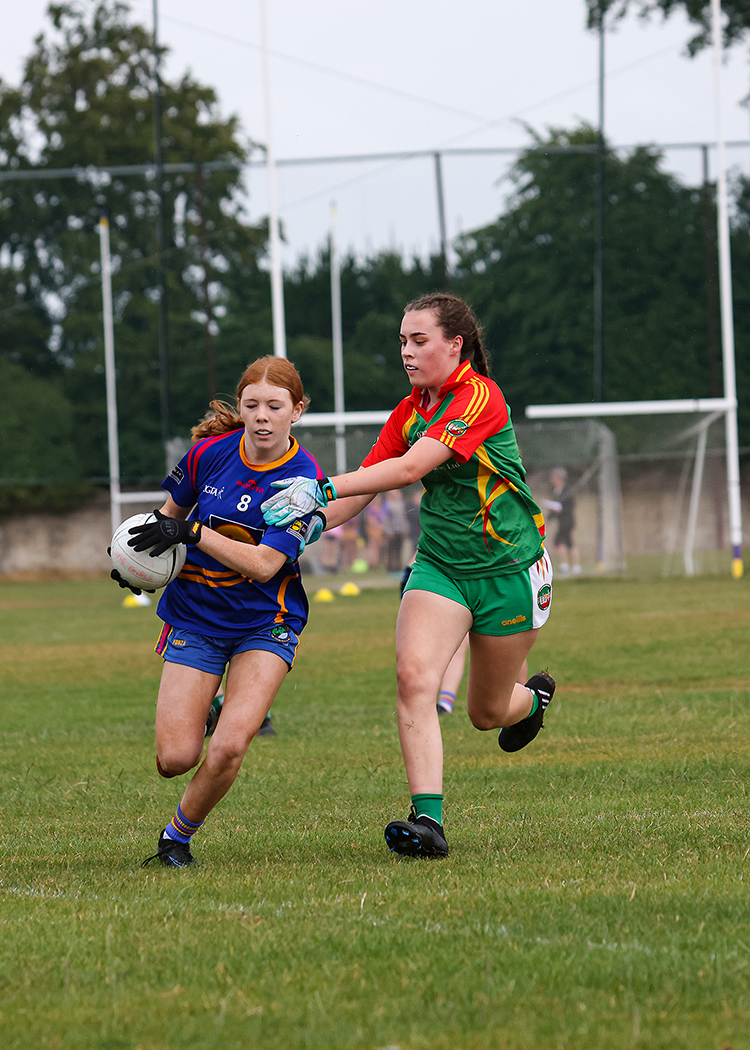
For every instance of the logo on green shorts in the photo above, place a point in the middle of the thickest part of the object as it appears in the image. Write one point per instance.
(544, 597)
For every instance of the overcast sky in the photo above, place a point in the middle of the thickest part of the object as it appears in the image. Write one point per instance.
(349, 77)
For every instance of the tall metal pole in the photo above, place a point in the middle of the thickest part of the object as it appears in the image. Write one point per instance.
(202, 200)
(161, 272)
(441, 220)
(277, 279)
(109, 374)
(338, 345)
(727, 315)
(599, 230)
(710, 265)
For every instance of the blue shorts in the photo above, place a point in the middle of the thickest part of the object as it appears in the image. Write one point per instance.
(206, 653)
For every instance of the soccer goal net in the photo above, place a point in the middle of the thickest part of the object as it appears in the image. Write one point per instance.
(650, 488)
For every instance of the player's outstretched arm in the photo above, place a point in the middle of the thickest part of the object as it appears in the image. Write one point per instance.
(298, 496)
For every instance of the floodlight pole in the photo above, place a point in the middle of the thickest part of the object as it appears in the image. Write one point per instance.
(277, 280)
(441, 220)
(109, 374)
(161, 272)
(725, 300)
(338, 345)
(599, 229)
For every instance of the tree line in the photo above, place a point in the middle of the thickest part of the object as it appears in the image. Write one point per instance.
(86, 101)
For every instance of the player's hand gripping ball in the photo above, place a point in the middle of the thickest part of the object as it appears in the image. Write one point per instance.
(160, 533)
(138, 570)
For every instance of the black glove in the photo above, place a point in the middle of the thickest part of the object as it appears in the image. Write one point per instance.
(124, 583)
(114, 575)
(163, 534)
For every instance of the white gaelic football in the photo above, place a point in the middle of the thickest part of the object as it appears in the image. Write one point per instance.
(139, 568)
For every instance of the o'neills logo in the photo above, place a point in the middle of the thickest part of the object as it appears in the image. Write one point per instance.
(457, 427)
(544, 596)
(516, 619)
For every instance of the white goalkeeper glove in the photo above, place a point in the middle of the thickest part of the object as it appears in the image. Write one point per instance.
(298, 497)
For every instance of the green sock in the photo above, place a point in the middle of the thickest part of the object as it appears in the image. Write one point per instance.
(429, 806)
(534, 704)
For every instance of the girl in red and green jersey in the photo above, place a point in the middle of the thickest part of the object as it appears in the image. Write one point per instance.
(481, 565)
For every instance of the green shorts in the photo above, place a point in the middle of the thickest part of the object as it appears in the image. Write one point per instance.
(502, 605)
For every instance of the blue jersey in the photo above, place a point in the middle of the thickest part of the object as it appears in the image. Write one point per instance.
(226, 491)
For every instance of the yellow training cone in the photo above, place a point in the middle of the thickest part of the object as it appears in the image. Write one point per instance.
(349, 590)
(134, 601)
(324, 595)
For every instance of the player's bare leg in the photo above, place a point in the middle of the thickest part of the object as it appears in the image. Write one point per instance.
(253, 679)
(185, 695)
(496, 696)
(429, 631)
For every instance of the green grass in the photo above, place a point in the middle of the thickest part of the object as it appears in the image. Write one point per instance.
(594, 896)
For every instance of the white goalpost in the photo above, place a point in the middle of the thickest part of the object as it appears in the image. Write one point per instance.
(685, 442)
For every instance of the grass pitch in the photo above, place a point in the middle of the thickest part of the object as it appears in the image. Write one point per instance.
(594, 896)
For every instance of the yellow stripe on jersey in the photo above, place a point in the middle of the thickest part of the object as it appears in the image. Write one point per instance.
(279, 618)
(407, 426)
(480, 395)
(487, 473)
(211, 578)
(484, 476)
(479, 399)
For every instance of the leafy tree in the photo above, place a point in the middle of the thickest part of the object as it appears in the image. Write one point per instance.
(37, 445)
(530, 277)
(86, 100)
(736, 12)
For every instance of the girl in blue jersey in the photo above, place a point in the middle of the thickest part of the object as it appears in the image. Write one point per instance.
(238, 604)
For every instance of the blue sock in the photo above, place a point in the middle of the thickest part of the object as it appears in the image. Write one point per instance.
(446, 700)
(180, 828)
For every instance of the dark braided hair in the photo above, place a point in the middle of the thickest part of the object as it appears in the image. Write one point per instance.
(456, 318)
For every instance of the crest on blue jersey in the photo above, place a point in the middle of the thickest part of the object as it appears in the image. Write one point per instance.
(235, 530)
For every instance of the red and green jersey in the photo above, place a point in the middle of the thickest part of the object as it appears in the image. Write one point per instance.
(477, 515)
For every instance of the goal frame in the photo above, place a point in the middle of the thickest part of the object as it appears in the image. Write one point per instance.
(704, 406)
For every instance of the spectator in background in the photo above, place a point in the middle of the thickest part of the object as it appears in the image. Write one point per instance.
(374, 520)
(563, 506)
(349, 535)
(413, 501)
(395, 530)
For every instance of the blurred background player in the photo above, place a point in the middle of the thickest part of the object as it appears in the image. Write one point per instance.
(563, 507)
(238, 606)
(266, 726)
(395, 530)
(481, 566)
